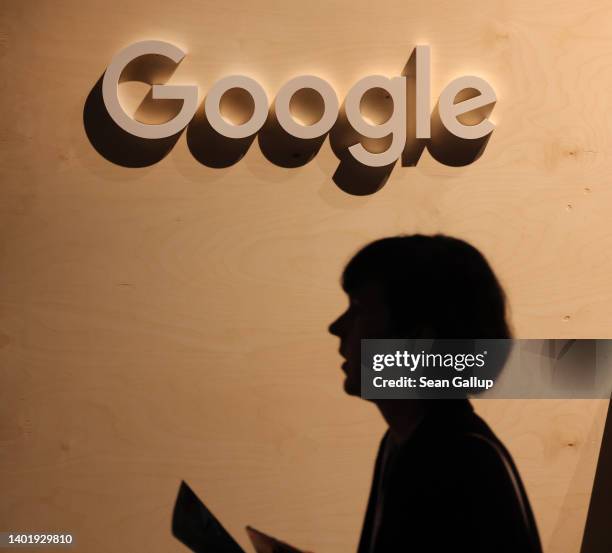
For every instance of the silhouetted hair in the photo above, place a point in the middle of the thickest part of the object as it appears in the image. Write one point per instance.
(437, 283)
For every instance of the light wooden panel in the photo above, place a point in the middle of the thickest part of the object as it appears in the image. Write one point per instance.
(170, 322)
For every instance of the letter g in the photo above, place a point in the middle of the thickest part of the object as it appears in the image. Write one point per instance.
(187, 93)
(377, 364)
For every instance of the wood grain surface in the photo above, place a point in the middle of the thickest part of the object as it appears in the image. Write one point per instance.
(170, 322)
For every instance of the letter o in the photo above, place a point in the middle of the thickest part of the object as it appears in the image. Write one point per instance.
(330, 107)
(216, 120)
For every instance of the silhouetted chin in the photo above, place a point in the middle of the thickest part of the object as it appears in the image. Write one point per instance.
(351, 388)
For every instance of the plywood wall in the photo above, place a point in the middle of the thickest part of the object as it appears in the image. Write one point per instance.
(169, 322)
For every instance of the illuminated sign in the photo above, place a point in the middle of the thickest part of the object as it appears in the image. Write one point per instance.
(449, 109)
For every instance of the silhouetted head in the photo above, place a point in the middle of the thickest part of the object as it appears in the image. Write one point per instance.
(417, 287)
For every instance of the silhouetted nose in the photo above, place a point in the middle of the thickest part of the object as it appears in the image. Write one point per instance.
(335, 328)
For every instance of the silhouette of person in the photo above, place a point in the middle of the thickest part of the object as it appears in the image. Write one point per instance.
(443, 482)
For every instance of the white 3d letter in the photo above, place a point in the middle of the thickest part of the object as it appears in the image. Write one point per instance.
(219, 123)
(187, 93)
(449, 111)
(423, 92)
(330, 107)
(395, 125)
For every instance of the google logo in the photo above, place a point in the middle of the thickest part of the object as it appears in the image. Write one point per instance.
(452, 104)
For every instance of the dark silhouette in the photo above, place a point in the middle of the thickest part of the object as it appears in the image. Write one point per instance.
(597, 536)
(443, 482)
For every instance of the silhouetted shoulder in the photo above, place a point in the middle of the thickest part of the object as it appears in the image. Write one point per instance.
(485, 497)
